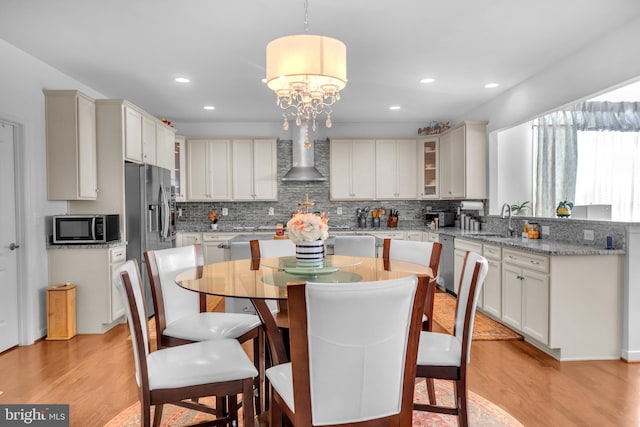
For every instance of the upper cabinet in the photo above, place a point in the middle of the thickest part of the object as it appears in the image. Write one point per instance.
(71, 145)
(395, 171)
(352, 175)
(132, 134)
(255, 169)
(463, 161)
(148, 140)
(208, 169)
(165, 146)
(428, 165)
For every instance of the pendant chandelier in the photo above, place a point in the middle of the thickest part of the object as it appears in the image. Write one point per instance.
(307, 73)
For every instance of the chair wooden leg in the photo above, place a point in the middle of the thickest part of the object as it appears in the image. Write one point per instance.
(221, 406)
(248, 413)
(157, 415)
(233, 410)
(275, 412)
(462, 400)
(145, 414)
(431, 391)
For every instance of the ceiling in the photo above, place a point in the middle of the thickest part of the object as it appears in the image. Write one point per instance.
(134, 50)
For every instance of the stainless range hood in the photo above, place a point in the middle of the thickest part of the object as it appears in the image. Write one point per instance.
(303, 168)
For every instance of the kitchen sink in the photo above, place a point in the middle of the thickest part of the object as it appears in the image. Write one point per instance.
(500, 235)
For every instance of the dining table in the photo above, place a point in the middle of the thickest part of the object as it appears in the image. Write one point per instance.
(266, 279)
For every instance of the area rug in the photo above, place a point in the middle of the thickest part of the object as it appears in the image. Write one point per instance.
(481, 412)
(484, 328)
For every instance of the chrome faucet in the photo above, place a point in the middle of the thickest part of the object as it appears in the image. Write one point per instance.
(509, 228)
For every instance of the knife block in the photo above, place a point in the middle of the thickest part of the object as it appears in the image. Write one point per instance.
(392, 221)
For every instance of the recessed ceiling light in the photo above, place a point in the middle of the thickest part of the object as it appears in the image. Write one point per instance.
(491, 85)
(394, 107)
(427, 80)
(182, 80)
(209, 107)
(264, 80)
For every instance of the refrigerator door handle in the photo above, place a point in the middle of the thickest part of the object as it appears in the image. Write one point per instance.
(164, 214)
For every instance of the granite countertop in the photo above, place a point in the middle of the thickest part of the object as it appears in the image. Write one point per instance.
(543, 246)
(108, 245)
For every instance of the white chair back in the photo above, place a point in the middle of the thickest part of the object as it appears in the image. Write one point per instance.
(136, 315)
(276, 248)
(364, 246)
(239, 250)
(464, 295)
(178, 302)
(412, 251)
(357, 341)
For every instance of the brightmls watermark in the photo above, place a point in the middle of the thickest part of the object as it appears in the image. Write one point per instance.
(34, 415)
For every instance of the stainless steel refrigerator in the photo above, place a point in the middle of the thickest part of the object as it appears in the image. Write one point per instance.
(148, 216)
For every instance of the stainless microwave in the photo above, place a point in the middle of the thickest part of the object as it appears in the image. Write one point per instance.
(85, 229)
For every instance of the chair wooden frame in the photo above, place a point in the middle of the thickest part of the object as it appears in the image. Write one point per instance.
(163, 341)
(282, 316)
(427, 322)
(180, 396)
(458, 374)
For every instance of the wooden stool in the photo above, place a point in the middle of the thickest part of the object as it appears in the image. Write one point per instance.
(61, 312)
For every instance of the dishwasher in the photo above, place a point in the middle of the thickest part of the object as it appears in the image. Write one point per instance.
(445, 270)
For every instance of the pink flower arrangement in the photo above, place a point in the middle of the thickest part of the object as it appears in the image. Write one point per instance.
(307, 227)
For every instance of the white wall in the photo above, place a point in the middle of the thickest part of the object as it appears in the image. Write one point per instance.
(22, 79)
(511, 169)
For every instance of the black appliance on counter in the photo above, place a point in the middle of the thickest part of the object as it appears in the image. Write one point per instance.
(85, 229)
(445, 219)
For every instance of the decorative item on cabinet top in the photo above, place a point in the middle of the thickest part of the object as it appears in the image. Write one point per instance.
(434, 128)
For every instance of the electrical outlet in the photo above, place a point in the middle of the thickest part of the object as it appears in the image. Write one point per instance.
(225, 211)
(271, 212)
(588, 235)
(545, 230)
(339, 211)
(179, 212)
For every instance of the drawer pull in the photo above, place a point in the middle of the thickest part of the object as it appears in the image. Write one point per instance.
(534, 262)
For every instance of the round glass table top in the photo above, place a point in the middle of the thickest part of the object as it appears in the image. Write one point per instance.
(268, 278)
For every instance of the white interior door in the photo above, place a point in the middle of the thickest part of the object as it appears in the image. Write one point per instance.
(8, 243)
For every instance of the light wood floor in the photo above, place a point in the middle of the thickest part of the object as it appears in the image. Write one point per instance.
(95, 375)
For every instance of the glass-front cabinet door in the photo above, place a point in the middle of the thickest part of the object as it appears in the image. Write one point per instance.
(428, 160)
(178, 175)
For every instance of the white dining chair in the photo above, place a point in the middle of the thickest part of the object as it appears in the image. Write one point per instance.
(446, 356)
(353, 352)
(181, 315)
(428, 255)
(180, 375)
(364, 246)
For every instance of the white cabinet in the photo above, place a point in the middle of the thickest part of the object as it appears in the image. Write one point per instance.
(255, 169)
(165, 146)
(180, 168)
(352, 174)
(463, 161)
(428, 166)
(117, 256)
(396, 169)
(99, 306)
(428, 236)
(148, 140)
(208, 169)
(413, 235)
(492, 290)
(525, 293)
(188, 238)
(132, 134)
(71, 146)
